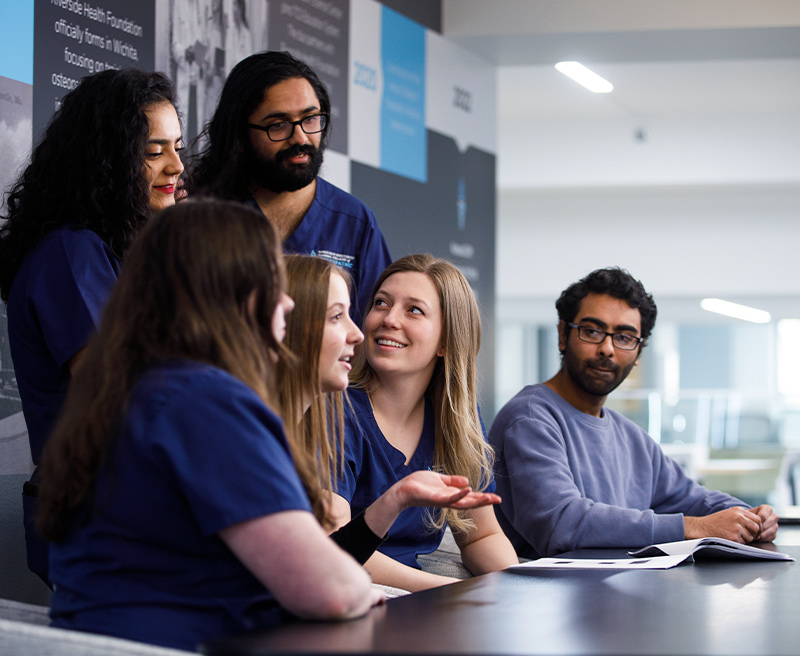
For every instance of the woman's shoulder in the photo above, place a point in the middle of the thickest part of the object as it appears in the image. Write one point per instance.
(359, 420)
(69, 246)
(198, 401)
(358, 409)
(65, 269)
(359, 399)
(71, 236)
(197, 386)
(193, 377)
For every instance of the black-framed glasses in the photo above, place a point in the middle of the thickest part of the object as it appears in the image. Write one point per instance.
(622, 341)
(285, 129)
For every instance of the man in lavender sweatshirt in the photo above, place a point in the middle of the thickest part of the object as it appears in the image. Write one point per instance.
(573, 474)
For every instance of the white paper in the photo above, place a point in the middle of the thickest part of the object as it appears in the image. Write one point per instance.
(657, 562)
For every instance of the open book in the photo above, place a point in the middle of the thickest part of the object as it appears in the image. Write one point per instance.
(659, 556)
(708, 548)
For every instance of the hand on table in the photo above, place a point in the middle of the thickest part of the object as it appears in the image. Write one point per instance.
(769, 523)
(737, 524)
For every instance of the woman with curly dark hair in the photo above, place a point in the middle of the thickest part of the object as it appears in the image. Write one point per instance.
(108, 159)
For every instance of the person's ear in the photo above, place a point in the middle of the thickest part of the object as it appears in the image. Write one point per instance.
(562, 336)
(638, 355)
(249, 305)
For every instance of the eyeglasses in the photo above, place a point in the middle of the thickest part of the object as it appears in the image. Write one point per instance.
(622, 341)
(285, 129)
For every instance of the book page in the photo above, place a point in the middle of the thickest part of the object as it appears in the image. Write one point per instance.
(709, 546)
(658, 562)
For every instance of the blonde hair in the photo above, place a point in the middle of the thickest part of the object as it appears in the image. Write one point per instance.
(319, 435)
(460, 447)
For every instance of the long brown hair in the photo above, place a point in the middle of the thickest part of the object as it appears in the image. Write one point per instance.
(202, 282)
(320, 432)
(460, 447)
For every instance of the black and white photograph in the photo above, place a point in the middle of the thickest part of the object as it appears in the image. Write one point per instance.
(15, 144)
(202, 40)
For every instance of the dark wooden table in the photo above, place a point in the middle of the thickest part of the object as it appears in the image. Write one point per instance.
(710, 607)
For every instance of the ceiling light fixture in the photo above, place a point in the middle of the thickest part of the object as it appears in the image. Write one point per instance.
(583, 76)
(735, 310)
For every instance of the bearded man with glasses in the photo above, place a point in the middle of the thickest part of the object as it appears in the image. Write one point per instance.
(264, 146)
(573, 474)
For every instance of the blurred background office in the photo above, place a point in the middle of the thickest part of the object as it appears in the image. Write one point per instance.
(686, 174)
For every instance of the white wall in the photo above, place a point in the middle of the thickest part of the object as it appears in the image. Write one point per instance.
(680, 241)
(468, 17)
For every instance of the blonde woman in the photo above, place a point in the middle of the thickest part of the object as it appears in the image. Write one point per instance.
(415, 408)
(324, 338)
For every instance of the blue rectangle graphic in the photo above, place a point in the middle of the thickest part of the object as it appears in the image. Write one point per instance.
(16, 40)
(404, 146)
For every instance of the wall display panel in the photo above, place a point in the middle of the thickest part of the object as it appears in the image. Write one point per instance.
(16, 41)
(15, 454)
(387, 88)
(450, 216)
(15, 130)
(450, 209)
(460, 95)
(73, 38)
(16, 111)
(424, 12)
(403, 138)
(316, 31)
(198, 42)
(15, 144)
(366, 83)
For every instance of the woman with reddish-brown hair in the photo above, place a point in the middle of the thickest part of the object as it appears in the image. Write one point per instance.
(177, 508)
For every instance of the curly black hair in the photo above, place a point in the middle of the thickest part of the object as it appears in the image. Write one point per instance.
(88, 169)
(221, 168)
(614, 282)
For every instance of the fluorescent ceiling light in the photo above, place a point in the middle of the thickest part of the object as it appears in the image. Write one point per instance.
(735, 310)
(584, 76)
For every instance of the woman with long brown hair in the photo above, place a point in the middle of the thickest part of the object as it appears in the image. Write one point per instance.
(168, 487)
(415, 407)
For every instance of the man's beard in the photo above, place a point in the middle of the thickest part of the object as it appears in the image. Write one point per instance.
(581, 373)
(278, 176)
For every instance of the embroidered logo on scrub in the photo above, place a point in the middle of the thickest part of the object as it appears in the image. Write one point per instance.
(339, 259)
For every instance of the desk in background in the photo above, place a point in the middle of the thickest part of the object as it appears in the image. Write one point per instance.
(710, 607)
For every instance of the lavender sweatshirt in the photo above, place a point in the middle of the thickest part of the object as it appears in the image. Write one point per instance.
(571, 481)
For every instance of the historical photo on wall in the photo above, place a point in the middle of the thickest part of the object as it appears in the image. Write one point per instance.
(202, 41)
(15, 144)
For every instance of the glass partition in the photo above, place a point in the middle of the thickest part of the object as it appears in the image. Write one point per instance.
(722, 398)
